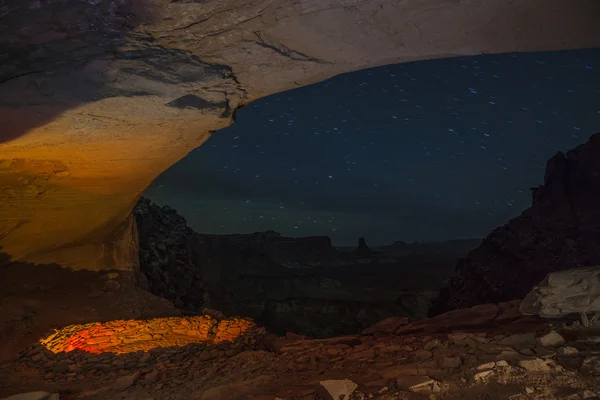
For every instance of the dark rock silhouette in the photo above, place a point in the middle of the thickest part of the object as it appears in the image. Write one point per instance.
(363, 251)
(165, 253)
(560, 230)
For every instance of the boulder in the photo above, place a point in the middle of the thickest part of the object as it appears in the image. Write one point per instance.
(551, 339)
(534, 365)
(568, 351)
(565, 292)
(340, 389)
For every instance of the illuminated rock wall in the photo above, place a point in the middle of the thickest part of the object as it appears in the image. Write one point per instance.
(97, 98)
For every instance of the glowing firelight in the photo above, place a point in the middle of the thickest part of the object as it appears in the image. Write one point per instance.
(126, 336)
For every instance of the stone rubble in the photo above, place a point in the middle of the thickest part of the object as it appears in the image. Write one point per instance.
(551, 339)
(488, 358)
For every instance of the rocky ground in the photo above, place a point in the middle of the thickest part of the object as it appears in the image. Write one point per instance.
(489, 351)
(37, 298)
(486, 352)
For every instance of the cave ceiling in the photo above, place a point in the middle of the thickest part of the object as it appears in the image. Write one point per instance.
(98, 97)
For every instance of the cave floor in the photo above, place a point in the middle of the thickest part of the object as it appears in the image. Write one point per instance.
(500, 360)
(503, 362)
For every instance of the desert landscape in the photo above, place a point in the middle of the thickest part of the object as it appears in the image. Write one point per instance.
(108, 293)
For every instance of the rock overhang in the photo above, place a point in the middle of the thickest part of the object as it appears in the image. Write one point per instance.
(99, 97)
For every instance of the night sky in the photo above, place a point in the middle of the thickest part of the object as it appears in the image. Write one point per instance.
(429, 150)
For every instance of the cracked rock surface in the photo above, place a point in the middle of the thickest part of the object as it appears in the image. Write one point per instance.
(98, 97)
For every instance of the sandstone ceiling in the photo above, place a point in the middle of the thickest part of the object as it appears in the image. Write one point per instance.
(98, 97)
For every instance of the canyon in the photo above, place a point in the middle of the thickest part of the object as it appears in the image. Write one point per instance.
(275, 279)
(98, 97)
(128, 342)
(302, 285)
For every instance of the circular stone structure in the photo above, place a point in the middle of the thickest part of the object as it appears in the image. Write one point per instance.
(128, 336)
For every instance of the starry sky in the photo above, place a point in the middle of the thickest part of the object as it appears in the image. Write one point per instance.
(429, 150)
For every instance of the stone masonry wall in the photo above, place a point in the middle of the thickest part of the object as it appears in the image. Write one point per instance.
(126, 336)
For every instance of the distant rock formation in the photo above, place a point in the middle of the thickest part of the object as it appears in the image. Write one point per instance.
(286, 284)
(560, 230)
(365, 254)
(362, 251)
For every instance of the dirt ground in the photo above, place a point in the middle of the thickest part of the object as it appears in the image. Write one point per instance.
(466, 356)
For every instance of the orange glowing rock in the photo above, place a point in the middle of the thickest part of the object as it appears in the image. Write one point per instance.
(126, 336)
